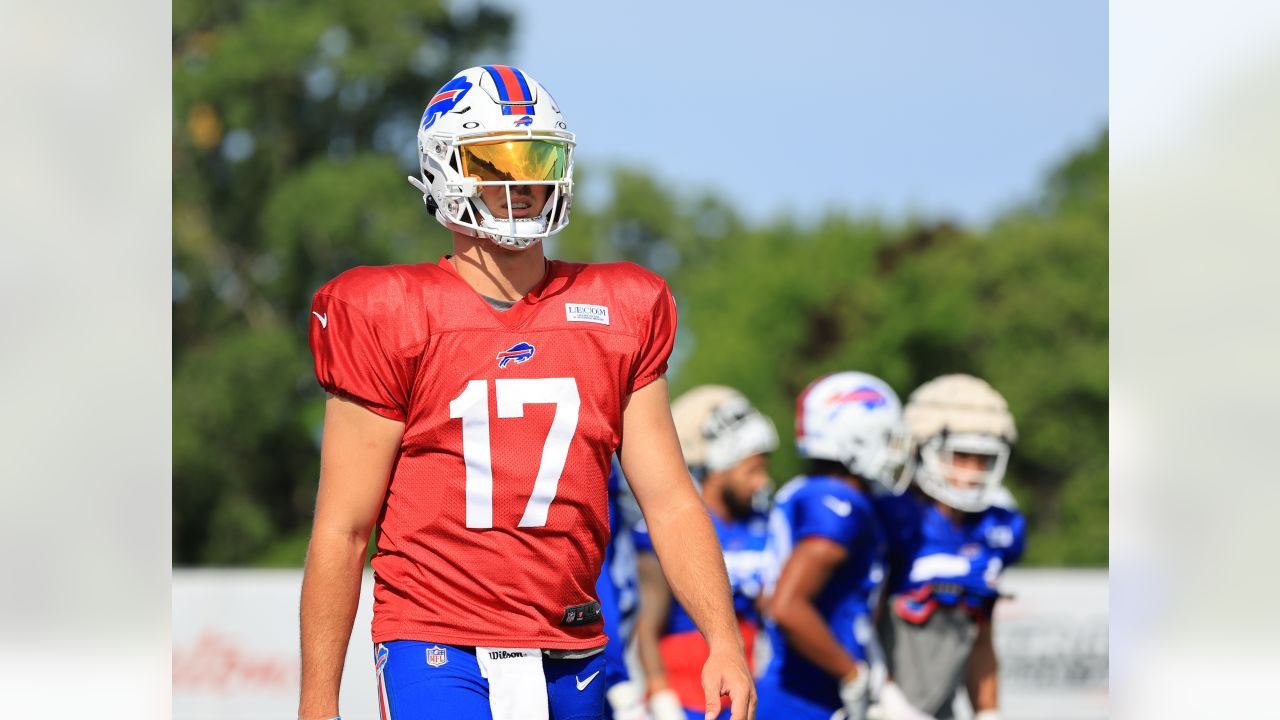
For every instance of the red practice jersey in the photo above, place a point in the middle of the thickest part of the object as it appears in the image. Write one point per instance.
(496, 515)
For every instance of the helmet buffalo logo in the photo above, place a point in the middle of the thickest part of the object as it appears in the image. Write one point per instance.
(445, 100)
(526, 120)
(868, 397)
(520, 352)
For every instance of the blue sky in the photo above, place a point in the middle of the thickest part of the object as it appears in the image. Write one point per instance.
(918, 107)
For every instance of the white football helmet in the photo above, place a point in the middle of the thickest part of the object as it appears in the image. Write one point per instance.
(854, 419)
(489, 141)
(718, 428)
(959, 414)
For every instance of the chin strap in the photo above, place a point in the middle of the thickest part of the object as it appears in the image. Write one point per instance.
(426, 194)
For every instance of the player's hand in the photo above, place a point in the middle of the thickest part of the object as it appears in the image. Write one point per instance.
(627, 701)
(726, 673)
(665, 705)
(854, 693)
(895, 706)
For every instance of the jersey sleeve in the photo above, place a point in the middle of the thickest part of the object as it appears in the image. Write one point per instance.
(356, 359)
(827, 516)
(657, 340)
(1018, 525)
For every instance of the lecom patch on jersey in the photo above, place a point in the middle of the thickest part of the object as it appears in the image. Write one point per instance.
(574, 312)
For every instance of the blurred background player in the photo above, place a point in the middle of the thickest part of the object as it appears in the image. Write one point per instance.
(619, 592)
(951, 533)
(726, 443)
(826, 550)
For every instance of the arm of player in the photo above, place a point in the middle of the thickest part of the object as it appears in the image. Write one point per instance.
(651, 617)
(804, 575)
(982, 672)
(792, 608)
(356, 455)
(655, 603)
(686, 543)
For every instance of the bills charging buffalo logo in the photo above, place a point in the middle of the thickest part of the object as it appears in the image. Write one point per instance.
(380, 661)
(437, 656)
(520, 352)
(868, 397)
(445, 100)
(522, 122)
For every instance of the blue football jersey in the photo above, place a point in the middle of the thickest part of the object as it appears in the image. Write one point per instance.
(618, 585)
(743, 543)
(826, 507)
(952, 562)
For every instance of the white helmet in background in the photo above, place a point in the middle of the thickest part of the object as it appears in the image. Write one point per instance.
(959, 414)
(855, 419)
(719, 428)
(490, 129)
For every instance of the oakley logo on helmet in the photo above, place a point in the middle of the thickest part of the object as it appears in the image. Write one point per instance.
(520, 352)
(526, 120)
(445, 100)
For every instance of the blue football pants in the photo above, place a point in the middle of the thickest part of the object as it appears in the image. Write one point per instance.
(420, 680)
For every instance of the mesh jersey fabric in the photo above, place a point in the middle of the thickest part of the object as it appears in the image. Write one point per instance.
(416, 343)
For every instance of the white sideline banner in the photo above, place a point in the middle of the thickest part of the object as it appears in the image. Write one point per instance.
(235, 646)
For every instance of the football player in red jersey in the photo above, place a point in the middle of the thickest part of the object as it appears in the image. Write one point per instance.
(475, 404)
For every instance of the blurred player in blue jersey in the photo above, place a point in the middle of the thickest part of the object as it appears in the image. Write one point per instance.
(725, 442)
(951, 533)
(619, 592)
(826, 550)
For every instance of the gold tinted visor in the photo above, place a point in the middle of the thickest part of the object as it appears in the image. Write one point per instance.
(528, 160)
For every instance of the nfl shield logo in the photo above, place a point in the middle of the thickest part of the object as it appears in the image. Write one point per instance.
(437, 656)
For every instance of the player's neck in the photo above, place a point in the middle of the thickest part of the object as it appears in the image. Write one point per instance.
(855, 482)
(497, 272)
(713, 498)
(957, 517)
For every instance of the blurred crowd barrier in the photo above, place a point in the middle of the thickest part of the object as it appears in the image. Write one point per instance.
(235, 646)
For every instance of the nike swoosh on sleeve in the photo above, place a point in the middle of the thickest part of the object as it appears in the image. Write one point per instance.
(839, 507)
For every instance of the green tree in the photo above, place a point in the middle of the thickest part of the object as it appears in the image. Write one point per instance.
(1023, 305)
(294, 126)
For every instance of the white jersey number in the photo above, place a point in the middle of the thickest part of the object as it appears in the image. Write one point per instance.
(472, 407)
